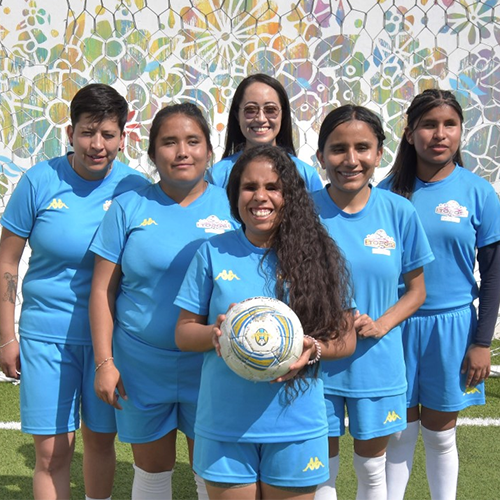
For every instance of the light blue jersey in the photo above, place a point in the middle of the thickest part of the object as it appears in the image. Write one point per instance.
(218, 173)
(381, 242)
(154, 239)
(227, 269)
(59, 212)
(459, 213)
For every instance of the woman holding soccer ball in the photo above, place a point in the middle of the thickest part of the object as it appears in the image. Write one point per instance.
(143, 247)
(382, 238)
(266, 440)
(446, 343)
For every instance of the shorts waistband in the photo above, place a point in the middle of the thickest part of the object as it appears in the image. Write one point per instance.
(435, 312)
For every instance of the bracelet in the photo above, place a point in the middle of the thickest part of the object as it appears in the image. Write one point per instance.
(7, 343)
(318, 350)
(102, 362)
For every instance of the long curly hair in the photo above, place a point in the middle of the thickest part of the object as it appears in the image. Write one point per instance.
(404, 170)
(311, 272)
(235, 140)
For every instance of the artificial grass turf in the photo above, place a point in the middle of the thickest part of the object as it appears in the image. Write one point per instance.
(479, 449)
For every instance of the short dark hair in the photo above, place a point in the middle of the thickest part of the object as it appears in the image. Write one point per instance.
(186, 108)
(347, 113)
(101, 102)
(235, 140)
(404, 170)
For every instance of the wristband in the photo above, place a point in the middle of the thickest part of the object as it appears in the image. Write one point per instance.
(318, 350)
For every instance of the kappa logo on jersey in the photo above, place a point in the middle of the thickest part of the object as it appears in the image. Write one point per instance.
(106, 205)
(148, 222)
(471, 390)
(58, 204)
(380, 242)
(227, 276)
(212, 224)
(392, 416)
(313, 464)
(452, 211)
(261, 337)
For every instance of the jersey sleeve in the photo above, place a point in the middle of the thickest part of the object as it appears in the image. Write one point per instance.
(110, 238)
(417, 250)
(196, 289)
(488, 225)
(20, 214)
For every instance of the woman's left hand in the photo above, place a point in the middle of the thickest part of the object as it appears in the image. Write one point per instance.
(308, 352)
(477, 365)
(366, 327)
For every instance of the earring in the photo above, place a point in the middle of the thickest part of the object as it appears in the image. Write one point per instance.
(119, 149)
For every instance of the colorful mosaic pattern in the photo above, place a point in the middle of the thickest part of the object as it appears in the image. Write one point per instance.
(326, 53)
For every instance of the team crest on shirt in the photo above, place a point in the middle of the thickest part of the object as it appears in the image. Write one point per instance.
(380, 242)
(227, 276)
(452, 211)
(392, 416)
(212, 224)
(106, 205)
(57, 204)
(313, 464)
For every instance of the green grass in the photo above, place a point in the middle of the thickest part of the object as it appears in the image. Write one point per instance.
(479, 449)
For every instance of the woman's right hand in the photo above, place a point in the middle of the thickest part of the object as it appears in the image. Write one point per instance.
(108, 384)
(217, 332)
(10, 361)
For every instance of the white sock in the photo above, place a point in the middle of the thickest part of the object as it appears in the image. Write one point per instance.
(201, 487)
(151, 485)
(90, 498)
(371, 477)
(326, 490)
(441, 460)
(400, 451)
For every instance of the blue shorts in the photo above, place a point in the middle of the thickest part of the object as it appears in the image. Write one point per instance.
(369, 418)
(56, 380)
(294, 464)
(435, 346)
(162, 388)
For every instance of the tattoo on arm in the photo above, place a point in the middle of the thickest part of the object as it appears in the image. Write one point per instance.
(10, 293)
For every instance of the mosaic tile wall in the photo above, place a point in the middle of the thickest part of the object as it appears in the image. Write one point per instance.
(326, 53)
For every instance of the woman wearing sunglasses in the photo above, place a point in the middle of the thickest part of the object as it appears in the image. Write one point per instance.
(259, 115)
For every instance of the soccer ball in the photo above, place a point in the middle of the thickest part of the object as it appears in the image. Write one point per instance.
(261, 337)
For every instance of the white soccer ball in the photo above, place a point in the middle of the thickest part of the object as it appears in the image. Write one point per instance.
(261, 338)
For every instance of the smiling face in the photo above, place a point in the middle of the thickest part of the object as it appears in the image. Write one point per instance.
(181, 154)
(264, 126)
(95, 146)
(436, 138)
(350, 156)
(260, 201)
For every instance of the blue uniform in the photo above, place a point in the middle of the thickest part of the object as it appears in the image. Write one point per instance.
(58, 212)
(227, 269)
(218, 173)
(381, 242)
(154, 239)
(460, 214)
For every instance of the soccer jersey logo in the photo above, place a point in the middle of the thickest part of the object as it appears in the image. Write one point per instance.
(227, 276)
(313, 464)
(57, 204)
(380, 242)
(452, 211)
(148, 222)
(212, 224)
(392, 416)
(106, 205)
(471, 390)
(261, 337)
